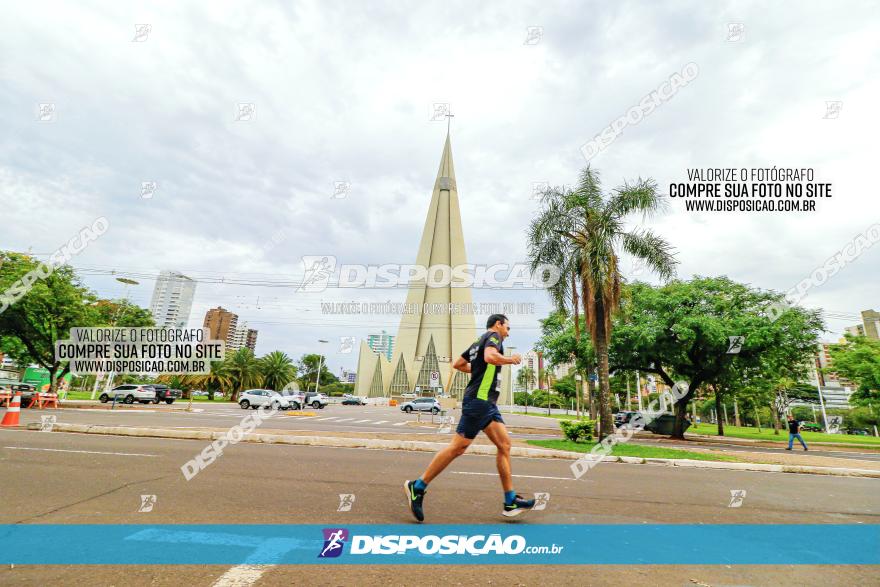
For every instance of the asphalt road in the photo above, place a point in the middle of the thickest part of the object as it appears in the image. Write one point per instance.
(70, 478)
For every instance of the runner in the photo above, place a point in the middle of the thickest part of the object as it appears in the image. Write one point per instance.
(483, 360)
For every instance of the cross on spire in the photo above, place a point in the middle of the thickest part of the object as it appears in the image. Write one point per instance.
(448, 121)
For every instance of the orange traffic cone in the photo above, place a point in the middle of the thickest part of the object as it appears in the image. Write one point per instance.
(12, 414)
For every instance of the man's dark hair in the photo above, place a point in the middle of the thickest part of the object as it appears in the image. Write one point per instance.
(495, 318)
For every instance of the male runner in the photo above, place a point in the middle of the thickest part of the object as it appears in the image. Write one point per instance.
(483, 360)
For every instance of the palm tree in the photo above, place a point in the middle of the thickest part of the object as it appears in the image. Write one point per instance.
(244, 371)
(217, 380)
(580, 231)
(526, 378)
(277, 370)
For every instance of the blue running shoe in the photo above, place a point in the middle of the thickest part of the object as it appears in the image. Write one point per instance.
(518, 506)
(414, 497)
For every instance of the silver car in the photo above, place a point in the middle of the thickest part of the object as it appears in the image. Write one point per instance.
(263, 398)
(422, 404)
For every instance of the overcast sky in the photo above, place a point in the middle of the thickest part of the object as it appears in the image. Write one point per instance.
(345, 91)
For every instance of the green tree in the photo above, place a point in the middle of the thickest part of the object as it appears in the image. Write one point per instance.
(308, 370)
(120, 313)
(683, 329)
(47, 310)
(581, 231)
(244, 371)
(525, 378)
(277, 370)
(217, 381)
(858, 359)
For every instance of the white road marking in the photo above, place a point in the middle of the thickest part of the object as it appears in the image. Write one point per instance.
(401, 424)
(380, 422)
(344, 420)
(330, 418)
(91, 452)
(523, 476)
(242, 575)
(360, 421)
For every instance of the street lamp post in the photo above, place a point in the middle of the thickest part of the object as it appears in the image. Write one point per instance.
(127, 282)
(320, 365)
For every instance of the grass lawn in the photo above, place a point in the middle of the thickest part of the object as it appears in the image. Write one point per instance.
(767, 434)
(634, 450)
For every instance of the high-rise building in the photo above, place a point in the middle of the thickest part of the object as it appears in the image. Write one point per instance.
(428, 342)
(382, 344)
(242, 337)
(221, 324)
(869, 327)
(251, 339)
(172, 299)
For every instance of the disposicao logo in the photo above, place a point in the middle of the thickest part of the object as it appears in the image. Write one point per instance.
(334, 539)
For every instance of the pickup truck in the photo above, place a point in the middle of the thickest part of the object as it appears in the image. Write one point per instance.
(165, 393)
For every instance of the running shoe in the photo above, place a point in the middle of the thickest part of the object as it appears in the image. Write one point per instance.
(518, 506)
(414, 497)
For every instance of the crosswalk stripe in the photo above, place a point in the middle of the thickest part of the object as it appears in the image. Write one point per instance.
(401, 424)
(380, 422)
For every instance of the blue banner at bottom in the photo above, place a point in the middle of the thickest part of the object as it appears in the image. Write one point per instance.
(170, 544)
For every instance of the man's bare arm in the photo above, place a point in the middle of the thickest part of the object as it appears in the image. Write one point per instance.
(493, 357)
(461, 365)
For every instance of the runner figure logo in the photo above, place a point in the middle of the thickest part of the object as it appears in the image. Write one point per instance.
(541, 501)
(334, 539)
(737, 496)
(346, 502)
(318, 270)
(47, 423)
(147, 503)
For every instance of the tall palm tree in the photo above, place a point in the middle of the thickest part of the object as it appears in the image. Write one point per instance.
(277, 369)
(244, 371)
(526, 378)
(580, 231)
(217, 380)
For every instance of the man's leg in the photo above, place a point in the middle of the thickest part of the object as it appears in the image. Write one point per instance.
(497, 433)
(790, 440)
(801, 439)
(513, 504)
(441, 460)
(415, 490)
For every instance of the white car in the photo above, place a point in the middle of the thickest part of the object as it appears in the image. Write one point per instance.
(263, 398)
(130, 394)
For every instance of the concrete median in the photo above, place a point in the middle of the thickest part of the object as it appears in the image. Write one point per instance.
(423, 446)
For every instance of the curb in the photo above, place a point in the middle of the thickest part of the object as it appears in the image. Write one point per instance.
(423, 446)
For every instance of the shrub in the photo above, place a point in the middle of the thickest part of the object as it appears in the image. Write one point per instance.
(578, 430)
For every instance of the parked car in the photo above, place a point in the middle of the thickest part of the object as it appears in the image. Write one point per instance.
(858, 432)
(165, 393)
(263, 398)
(296, 398)
(621, 418)
(316, 400)
(130, 393)
(422, 404)
(353, 400)
(810, 427)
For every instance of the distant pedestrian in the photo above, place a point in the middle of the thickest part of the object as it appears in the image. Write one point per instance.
(794, 431)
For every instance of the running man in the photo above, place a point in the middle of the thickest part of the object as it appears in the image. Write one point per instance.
(483, 360)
